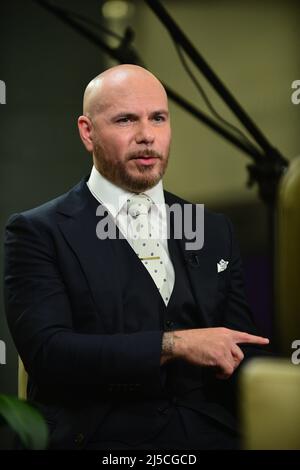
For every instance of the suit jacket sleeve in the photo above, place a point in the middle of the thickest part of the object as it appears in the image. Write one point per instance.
(40, 320)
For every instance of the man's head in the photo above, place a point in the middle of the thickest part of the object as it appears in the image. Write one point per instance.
(126, 125)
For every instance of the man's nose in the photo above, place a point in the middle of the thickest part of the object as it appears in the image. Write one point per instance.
(145, 134)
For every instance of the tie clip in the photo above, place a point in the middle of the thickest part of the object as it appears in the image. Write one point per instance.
(150, 257)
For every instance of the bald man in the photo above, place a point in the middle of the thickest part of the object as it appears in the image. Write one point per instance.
(124, 350)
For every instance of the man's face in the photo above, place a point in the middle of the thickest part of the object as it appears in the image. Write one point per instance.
(131, 134)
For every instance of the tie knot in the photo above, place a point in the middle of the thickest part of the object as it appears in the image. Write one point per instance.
(139, 204)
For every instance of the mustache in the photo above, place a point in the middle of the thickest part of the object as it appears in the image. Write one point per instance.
(145, 153)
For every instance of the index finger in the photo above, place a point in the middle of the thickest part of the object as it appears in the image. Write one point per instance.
(241, 337)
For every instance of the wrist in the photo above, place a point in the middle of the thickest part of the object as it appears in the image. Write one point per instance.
(172, 346)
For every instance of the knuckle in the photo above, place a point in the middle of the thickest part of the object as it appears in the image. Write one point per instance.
(218, 356)
(212, 362)
(221, 358)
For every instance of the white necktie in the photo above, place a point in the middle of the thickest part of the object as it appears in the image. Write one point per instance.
(149, 250)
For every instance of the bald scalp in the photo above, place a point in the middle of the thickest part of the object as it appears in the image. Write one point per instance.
(99, 92)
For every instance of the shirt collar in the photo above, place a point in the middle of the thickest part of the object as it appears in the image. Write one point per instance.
(114, 197)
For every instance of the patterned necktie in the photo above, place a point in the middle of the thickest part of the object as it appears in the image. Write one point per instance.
(149, 250)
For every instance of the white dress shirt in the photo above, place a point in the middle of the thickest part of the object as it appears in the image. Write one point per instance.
(115, 198)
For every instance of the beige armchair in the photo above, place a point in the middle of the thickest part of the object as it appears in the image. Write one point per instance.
(270, 404)
(22, 380)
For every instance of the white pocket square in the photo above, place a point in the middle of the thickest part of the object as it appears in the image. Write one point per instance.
(222, 265)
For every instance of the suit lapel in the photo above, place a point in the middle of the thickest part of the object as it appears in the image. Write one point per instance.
(199, 266)
(78, 224)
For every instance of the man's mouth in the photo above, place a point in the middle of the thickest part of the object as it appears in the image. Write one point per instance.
(145, 159)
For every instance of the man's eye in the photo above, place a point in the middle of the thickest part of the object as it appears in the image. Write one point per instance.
(123, 120)
(159, 118)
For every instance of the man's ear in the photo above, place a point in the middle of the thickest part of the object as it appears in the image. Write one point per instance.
(85, 127)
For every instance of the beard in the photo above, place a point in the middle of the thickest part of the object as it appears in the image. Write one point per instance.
(144, 177)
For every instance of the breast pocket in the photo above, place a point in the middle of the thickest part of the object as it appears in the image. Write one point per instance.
(223, 281)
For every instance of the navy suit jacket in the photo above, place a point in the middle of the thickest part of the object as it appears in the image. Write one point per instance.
(89, 364)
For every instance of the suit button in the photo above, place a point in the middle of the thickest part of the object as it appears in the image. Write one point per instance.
(169, 324)
(79, 439)
(162, 410)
